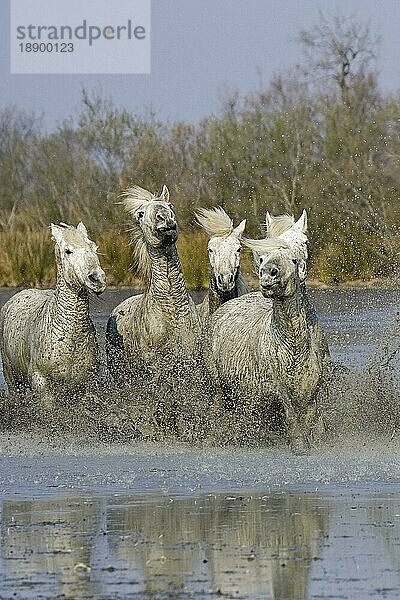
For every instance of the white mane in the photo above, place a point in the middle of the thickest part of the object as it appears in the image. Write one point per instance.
(290, 232)
(135, 196)
(140, 255)
(265, 245)
(275, 226)
(215, 221)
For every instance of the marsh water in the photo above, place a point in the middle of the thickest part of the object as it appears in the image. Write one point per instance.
(84, 518)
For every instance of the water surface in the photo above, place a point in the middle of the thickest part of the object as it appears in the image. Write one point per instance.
(85, 519)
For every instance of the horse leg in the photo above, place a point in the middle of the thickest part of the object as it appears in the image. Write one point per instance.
(40, 386)
(9, 376)
(298, 439)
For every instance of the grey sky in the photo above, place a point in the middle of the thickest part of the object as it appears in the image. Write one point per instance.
(200, 48)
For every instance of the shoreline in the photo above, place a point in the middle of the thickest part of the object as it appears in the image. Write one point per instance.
(312, 284)
(356, 284)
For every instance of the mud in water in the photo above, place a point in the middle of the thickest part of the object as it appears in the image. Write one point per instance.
(108, 504)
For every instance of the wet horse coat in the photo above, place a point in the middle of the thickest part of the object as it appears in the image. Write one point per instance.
(47, 337)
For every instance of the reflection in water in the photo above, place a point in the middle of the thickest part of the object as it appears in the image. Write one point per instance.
(281, 546)
(46, 546)
(267, 551)
(384, 517)
(238, 546)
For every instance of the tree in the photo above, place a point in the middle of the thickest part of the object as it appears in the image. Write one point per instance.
(19, 136)
(340, 51)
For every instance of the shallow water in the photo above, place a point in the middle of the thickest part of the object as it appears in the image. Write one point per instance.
(84, 519)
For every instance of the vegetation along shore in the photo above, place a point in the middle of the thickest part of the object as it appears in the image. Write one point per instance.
(323, 137)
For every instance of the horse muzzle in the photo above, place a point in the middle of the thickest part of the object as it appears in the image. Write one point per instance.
(270, 285)
(168, 231)
(96, 281)
(225, 283)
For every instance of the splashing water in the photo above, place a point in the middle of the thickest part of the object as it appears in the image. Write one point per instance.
(164, 516)
(360, 396)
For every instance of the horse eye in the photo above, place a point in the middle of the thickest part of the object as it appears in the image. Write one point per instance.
(261, 259)
(68, 251)
(210, 250)
(294, 261)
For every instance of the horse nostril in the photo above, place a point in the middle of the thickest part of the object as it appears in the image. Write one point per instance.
(93, 277)
(274, 271)
(97, 277)
(219, 279)
(231, 278)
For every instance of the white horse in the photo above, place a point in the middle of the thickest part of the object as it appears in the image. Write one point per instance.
(157, 330)
(266, 347)
(263, 349)
(47, 339)
(224, 248)
(294, 233)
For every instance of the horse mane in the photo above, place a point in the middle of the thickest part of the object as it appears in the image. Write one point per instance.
(266, 245)
(133, 198)
(275, 226)
(214, 221)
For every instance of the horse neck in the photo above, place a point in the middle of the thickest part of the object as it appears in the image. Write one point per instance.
(71, 308)
(216, 298)
(289, 322)
(166, 284)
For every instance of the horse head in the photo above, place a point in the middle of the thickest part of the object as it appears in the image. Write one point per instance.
(224, 246)
(77, 258)
(153, 214)
(280, 272)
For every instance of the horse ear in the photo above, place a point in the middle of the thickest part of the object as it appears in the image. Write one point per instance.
(57, 233)
(82, 230)
(238, 231)
(165, 194)
(302, 269)
(302, 222)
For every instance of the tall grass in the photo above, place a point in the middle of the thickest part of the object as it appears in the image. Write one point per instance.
(26, 258)
(192, 249)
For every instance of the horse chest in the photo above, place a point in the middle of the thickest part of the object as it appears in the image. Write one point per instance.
(70, 356)
(295, 369)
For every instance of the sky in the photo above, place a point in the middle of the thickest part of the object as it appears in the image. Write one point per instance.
(200, 49)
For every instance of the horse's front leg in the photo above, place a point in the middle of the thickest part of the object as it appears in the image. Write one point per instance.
(41, 387)
(297, 432)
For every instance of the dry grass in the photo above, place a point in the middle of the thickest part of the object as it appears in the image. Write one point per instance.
(115, 255)
(27, 258)
(192, 248)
